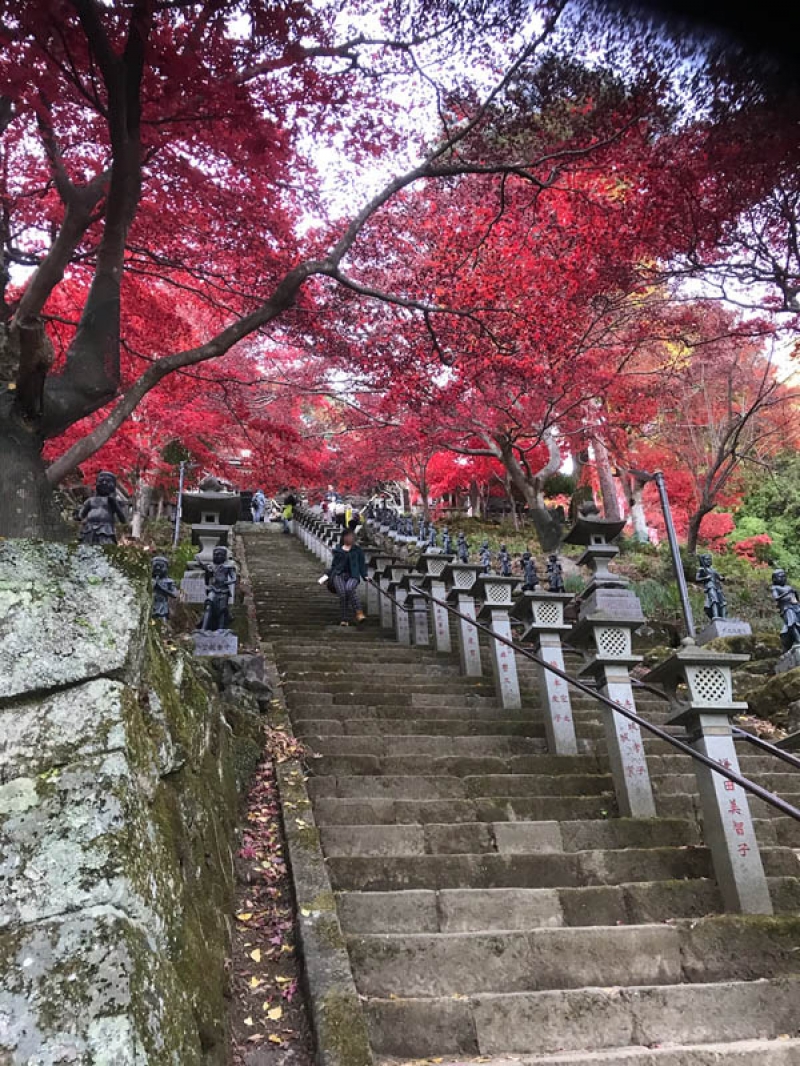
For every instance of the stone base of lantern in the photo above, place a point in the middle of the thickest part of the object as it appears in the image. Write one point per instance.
(724, 627)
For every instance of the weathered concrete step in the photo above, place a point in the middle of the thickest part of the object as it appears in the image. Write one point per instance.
(434, 747)
(506, 838)
(464, 714)
(440, 691)
(418, 787)
(780, 1052)
(478, 910)
(679, 804)
(595, 1018)
(544, 870)
(456, 765)
(703, 950)
(666, 784)
(373, 811)
(330, 724)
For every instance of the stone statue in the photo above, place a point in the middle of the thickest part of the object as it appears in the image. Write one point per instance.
(447, 541)
(787, 603)
(531, 577)
(220, 580)
(716, 606)
(164, 588)
(462, 548)
(555, 574)
(486, 557)
(432, 537)
(100, 512)
(505, 561)
(423, 530)
(258, 505)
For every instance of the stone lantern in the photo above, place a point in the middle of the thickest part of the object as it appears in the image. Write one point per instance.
(497, 602)
(608, 614)
(417, 605)
(461, 580)
(700, 683)
(432, 579)
(399, 591)
(542, 615)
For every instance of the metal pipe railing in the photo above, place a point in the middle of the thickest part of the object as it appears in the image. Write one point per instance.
(749, 786)
(744, 782)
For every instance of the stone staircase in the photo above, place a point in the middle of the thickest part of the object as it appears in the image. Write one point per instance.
(492, 902)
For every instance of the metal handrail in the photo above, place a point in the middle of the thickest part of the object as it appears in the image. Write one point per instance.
(765, 745)
(741, 734)
(662, 734)
(594, 693)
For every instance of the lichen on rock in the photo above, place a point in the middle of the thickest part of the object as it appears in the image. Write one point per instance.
(118, 805)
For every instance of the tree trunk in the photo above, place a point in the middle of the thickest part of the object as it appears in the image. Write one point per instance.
(28, 508)
(638, 517)
(606, 480)
(141, 508)
(695, 521)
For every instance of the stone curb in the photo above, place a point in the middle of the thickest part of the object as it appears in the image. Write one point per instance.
(337, 1017)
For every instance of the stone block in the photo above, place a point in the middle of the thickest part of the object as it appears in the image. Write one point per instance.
(388, 912)
(193, 586)
(724, 627)
(471, 910)
(790, 660)
(68, 615)
(525, 837)
(221, 642)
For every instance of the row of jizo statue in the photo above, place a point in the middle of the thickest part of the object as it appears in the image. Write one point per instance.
(101, 511)
(98, 518)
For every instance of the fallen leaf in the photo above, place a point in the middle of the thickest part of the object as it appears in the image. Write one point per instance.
(275, 1039)
(245, 917)
(248, 1021)
(275, 1014)
(255, 982)
(255, 955)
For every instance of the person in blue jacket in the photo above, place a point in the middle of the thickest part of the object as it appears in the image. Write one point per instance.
(348, 569)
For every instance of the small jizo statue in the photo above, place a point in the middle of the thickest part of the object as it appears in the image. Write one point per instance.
(164, 588)
(555, 574)
(786, 601)
(486, 557)
(462, 548)
(504, 558)
(715, 606)
(99, 514)
(529, 573)
(447, 541)
(220, 580)
(432, 535)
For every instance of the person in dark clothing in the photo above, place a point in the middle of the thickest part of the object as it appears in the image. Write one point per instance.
(348, 568)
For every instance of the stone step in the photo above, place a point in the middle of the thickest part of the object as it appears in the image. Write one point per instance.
(434, 747)
(506, 838)
(447, 964)
(544, 870)
(602, 1019)
(456, 765)
(476, 910)
(780, 1052)
(328, 723)
(469, 787)
(374, 811)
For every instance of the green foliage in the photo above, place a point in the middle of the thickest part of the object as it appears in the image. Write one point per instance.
(772, 506)
(559, 484)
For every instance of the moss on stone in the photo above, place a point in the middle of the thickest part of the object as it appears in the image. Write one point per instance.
(342, 1037)
(307, 837)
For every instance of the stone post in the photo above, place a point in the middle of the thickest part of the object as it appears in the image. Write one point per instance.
(727, 823)
(397, 589)
(543, 616)
(383, 576)
(433, 566)
(609, 612)
(461, 578)
(497, 602)
(372, 605)
(418, 607)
